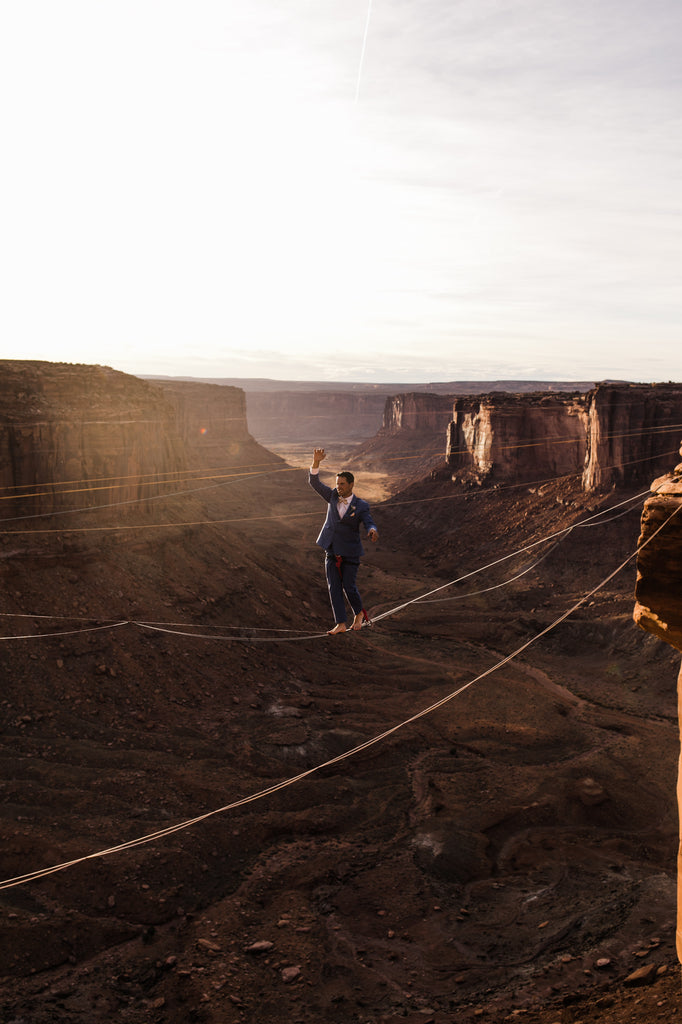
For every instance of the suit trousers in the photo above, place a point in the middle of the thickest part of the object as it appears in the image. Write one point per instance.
(340, 583)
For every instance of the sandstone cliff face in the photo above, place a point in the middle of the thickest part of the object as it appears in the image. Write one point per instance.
(658, 591)
(73, 436)
(302, 411)
(618, 435)
(658, 597)
(630, 437)
(211, 420)
(417, 412)
(503, 438)
(77, 435)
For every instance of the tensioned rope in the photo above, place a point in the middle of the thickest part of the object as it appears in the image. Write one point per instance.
(217, 473)
(165, 627)
(528, 568)
(504, 583)
(158, 627)
(528, 547)
(289, 516)
(173, 476)
(218, 482)
(558, 537)
(65, 632)
(217, 478)
(536, 443)
(523, 485)
(245, 473)
(238, 639)
(354, 751)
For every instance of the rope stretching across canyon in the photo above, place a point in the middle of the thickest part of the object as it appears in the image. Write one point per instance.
(165, 627)
(261, 794)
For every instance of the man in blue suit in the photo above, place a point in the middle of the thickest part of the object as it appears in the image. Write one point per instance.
(340, 538)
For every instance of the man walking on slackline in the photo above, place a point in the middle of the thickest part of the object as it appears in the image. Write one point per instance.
(340, 538)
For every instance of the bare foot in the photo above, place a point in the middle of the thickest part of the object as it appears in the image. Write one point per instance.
(357, 621)
(340, 627)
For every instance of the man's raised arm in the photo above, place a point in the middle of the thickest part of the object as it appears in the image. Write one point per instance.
(318, 455)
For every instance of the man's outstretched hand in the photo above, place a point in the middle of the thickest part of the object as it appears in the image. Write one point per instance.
(318, 455)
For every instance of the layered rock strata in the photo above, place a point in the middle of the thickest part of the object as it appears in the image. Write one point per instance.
(502, 438)
(73, 435)
(658, 596)
(632, 433)
(617, 435)
(300, 411)
(415, 412)
(211, 420)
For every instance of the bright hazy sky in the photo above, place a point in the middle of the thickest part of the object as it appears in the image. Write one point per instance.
(486, 189)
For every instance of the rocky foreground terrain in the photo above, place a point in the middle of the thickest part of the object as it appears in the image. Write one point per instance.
(508, 856)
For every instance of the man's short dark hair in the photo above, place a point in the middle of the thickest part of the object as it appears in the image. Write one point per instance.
(347, 475)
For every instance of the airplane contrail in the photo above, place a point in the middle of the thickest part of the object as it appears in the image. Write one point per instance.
(364, 47)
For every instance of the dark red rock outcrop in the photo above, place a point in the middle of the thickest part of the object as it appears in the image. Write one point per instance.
(658, 591)
(618, 435)
(75, 435)
(504, 438)
(633, 433)
(658, 594)
(211, 420)
(417, 413)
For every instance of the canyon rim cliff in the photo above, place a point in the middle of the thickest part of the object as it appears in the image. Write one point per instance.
(181, 740)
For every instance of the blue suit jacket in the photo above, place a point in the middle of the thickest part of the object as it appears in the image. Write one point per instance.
(342, 536)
